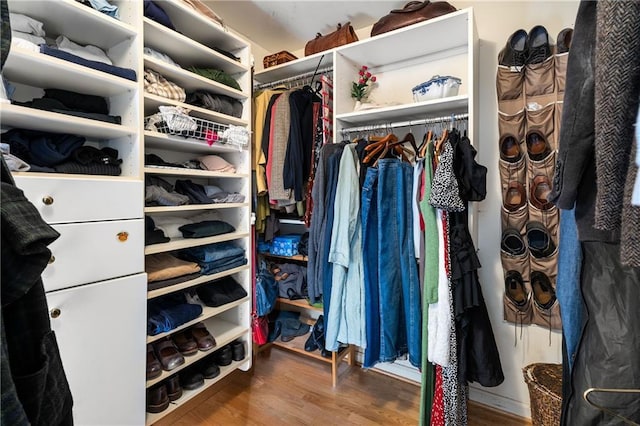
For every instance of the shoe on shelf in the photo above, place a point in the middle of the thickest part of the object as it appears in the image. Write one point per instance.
(154, 369)
(168, 354)
(540, 190)
(514, 53)
(191, 379)
(515, 197)
(174, 390)
(510, 149)
(237, 350)
(157, 398)
(223, 356)
(185, 343)
(202, 336)
(543, 294)
(210, 369)
(537, 146)
(316, 338)
(538, 44)
(563, 42)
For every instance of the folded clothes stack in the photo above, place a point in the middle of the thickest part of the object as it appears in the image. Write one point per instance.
(168, 312)
(216, 257)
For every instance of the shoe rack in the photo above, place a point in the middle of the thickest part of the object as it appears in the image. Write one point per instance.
(193, 45)
(530, 84)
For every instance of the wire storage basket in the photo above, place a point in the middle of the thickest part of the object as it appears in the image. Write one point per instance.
(198, 128)
(545, 392)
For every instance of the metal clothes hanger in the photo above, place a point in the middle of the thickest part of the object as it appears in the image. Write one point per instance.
(590, 391)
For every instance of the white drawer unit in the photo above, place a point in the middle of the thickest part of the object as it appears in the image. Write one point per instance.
(67, 199)
(101, 332)
(94, 251)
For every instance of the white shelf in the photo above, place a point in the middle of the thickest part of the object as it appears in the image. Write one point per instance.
(187, 395)
(291, 221)
(152, 102)
(44, 71)
(222, 331)
(194, 282)
(196, 26)
(446, 33)
(182, 243)
(192, 172)
(207, 312)
(185, 51)
(181, 144)
(36, 119)
(191, 207)
(80, 23)
(413, 111)
(191, 81)
(295, 67)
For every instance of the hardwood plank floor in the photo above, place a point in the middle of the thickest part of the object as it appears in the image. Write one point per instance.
(286, 389)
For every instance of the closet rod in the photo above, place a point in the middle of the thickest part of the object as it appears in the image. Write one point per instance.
(294, 78)
(432, 120)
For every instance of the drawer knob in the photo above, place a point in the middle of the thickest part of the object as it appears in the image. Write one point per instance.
(52, 259)
(55, 313)
(47, 200)
(123, 236)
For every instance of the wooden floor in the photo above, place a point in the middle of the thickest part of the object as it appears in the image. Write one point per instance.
(286, 389)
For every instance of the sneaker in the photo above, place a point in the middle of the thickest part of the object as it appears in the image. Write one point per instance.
(514, 53)
(538, 44)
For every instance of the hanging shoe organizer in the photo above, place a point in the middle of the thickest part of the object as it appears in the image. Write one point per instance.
(530, 85)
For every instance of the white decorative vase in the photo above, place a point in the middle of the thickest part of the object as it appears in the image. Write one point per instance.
(357, 106)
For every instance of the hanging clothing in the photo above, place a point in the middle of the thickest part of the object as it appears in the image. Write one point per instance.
(346, 314)
(315, 157)
(439, 312)
(327, 108)
(278, 141)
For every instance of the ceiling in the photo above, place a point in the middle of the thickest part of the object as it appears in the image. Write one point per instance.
(288, 25)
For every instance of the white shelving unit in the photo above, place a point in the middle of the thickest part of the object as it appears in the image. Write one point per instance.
(96, 274)
(194, 44)
(400, 59)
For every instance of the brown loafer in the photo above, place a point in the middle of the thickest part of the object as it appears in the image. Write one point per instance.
(537, 146)
(515, 197)
(510, 149)
(157, 399)
(168, 354)
(174, 390)
(203, 337)
(185, 343)
(154, 369)
(540, 190)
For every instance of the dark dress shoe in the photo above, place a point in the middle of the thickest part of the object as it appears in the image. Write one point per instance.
(540, 190)
(538, 44)
(174, 390)
(515, 197)
(514, 53)
(237, 350)
(223, 356)
(154, 369)
(537, 146)
(510, 149)
(168, 354)
(202, 336)
(191, 379)
(185, 343)
(563, 42)
(543, 294)
(316, 338)
(157, 399)
(210, 369)
(515, 289)
(512, 242)
(540, 243)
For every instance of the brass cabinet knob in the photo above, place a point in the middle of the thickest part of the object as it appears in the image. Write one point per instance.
(47, 200)
(52, 259)
(55, 313)
(123, 236)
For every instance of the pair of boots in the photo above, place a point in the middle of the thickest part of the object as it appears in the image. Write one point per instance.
(316, 338)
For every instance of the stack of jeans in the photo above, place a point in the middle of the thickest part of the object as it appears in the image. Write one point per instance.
(216, 257)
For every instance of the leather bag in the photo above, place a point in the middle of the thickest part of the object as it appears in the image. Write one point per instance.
(341, 36)
(412, 13)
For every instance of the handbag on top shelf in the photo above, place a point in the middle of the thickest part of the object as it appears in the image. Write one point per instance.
(344, 34)
(412, 13)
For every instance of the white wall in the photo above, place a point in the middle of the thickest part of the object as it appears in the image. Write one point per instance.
(495, 21)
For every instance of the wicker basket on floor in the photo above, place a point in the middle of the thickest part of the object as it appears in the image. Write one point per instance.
(545, 391)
